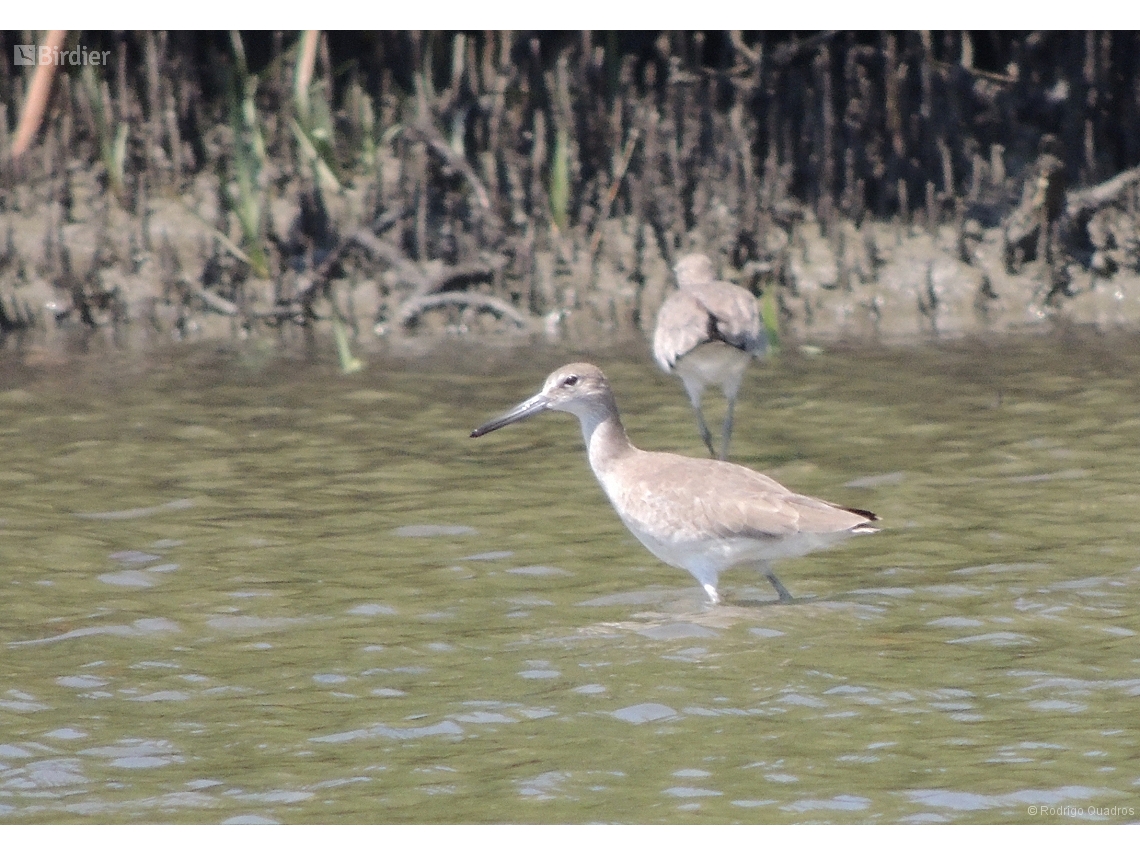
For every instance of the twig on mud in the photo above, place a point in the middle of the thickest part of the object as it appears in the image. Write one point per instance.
(385, 251)
(787, 52)
(736, 37)
(367, 239)
(416, 306)
(230, 309)
(454, 278)
(620, 168)
(235, 250)
(1083, 201)
(214, 301)
(456, 161)
(450, 278)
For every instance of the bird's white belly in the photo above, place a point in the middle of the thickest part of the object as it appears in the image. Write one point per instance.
(712, 363)
(717, 554)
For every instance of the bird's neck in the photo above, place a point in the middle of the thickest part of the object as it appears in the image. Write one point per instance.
(606, 440)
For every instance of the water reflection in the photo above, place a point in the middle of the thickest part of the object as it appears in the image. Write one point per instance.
(279, 594)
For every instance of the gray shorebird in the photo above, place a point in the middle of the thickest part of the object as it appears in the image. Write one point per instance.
(707, 332)
(699, 515)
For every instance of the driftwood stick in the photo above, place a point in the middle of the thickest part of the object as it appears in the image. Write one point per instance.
(366, 238)
(230, 309)
(621, 165)
(215, 301)
(416, 306)
(737, 38)
(452, 158)
(459, 276)
(450, 278)
(389, 253)
(1085, 201)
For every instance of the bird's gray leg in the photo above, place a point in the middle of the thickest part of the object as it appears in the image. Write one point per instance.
(766, 569)
(727, 429)
(706, 434)
(695, 389)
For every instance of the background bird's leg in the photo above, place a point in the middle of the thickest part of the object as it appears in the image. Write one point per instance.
(706, 434)
(695, 390)
(727, 429)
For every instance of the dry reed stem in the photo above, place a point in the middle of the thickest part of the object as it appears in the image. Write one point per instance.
(38, 94)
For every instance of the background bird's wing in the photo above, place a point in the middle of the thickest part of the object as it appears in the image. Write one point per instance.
(678, 329)
(735, 314)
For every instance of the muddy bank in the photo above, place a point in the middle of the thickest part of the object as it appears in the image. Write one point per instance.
(874, 281)
(872, 187)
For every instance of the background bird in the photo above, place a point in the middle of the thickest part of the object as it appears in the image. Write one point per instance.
(707, 333)
(702, 516)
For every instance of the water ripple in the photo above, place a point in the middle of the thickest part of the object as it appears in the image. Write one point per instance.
(444, 728)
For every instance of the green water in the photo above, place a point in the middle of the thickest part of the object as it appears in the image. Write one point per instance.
(243, 587)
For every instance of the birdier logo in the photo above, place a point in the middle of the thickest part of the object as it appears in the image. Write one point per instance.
(51, 55)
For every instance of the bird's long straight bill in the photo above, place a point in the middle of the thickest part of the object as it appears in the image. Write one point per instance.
(528, 408)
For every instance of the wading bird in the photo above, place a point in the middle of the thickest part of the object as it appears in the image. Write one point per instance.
(700, 515)
(707, 332)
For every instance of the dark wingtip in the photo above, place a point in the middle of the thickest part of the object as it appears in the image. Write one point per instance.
(870, 515)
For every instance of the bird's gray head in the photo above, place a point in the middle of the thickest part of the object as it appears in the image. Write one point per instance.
(579, 388)
(693, 269)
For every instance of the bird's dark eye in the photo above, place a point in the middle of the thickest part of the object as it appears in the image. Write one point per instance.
(572, 380)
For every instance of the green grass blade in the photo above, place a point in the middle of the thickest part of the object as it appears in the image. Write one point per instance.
(348, 362)
(770, 314)
(560, 180)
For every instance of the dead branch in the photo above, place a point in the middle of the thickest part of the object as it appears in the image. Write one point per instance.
(453, 159)
(412, 309)
(1084, 202)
